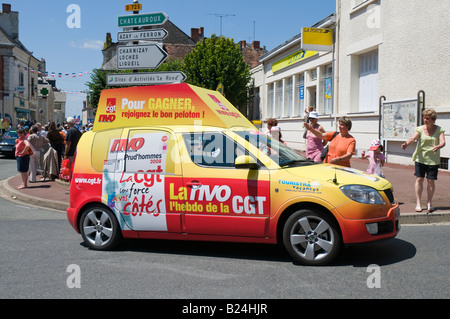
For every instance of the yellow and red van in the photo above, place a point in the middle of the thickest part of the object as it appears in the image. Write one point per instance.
(180, 162)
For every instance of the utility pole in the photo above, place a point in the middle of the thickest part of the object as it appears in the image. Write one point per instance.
(221, 15)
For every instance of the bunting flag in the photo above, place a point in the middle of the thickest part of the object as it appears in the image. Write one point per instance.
(61, 75)
(54, 74)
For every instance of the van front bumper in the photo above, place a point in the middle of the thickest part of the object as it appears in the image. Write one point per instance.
(367, 230)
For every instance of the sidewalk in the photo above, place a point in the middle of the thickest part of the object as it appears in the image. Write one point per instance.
(53, 195)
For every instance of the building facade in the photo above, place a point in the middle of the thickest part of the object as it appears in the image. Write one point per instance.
(18, 71)
(386, 55)
(21, 83)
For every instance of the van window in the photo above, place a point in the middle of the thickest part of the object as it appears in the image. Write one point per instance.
(100, 147)
(212, 149)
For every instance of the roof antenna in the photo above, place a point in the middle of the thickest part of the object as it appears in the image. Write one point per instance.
(335, 177)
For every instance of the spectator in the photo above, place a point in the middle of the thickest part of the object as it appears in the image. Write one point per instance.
(342, 146)
(314, 144)
(56, 142)
(308, 110)
(41, 130)
(430, 139)
(273, 130)
(23, 149)
(37, 141)
(72, 138)
(376, 158)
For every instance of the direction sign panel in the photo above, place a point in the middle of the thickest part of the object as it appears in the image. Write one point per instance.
(146, 35)
(140, 56)
(137, 20)
(317, 39)
(145, 78)
(133, 7)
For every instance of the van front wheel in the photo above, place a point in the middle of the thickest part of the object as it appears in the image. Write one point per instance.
(311, 237)
(99, 228)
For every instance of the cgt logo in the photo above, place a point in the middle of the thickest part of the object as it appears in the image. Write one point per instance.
(110, 115)
(110, 105)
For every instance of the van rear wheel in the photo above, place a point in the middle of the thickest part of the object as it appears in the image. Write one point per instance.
(311, 237)
(99, 228)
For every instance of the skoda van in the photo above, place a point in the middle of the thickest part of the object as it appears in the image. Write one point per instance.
(180, 162)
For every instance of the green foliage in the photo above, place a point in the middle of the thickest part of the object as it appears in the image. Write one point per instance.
(218, 60)
(96, 85)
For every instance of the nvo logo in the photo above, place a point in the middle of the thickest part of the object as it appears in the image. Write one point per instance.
(107, 118)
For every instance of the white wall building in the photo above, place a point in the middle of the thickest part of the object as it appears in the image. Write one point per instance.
(290, 79)
(382, 48)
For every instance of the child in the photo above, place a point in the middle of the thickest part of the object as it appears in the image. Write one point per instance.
(376, 158)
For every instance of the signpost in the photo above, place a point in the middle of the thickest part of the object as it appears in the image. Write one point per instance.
(145, 78)
(133, 7)
(136, 56)
(145, 35)
(137, 20)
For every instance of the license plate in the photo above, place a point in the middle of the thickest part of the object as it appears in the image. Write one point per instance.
(6, 148)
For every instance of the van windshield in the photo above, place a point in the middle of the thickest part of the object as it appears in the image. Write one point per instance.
(277, 151)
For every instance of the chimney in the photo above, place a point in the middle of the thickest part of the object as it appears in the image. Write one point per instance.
(9, 21)
(242, 44)
(255, 45)
(197, 34)
(6, 8)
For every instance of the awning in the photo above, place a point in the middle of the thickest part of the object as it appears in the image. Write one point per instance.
(20, 110)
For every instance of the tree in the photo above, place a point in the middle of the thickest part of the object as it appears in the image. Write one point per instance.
(97, 85)
(218, 60)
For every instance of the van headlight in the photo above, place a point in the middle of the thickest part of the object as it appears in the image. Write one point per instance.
(362, 194)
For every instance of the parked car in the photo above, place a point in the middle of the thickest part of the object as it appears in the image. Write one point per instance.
(8, 143)
(180, 162)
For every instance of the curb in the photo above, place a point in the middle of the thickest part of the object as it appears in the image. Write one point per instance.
(424, 218)
(14, 195)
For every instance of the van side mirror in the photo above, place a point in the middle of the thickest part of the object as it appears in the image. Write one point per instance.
(245, 161)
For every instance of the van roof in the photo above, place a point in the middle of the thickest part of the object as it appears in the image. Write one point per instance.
(171, 104)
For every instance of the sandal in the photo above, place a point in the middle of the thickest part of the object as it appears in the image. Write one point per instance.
(430, 208)
(21, 187)
(418, 209)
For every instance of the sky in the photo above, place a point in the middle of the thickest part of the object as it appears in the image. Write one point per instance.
(70, 38)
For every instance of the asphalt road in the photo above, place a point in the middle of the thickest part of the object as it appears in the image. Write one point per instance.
(41, 256)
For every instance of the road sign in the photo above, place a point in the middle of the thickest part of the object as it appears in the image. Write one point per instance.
(146, 35)
(145, 78)
(136, 20)
(317, 39)
(133, 7)
(140, 56)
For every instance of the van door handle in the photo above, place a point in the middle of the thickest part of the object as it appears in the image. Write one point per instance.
(194, 184)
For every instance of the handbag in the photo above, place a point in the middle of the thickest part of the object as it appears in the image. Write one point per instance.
(65, 170)
(325, 149)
